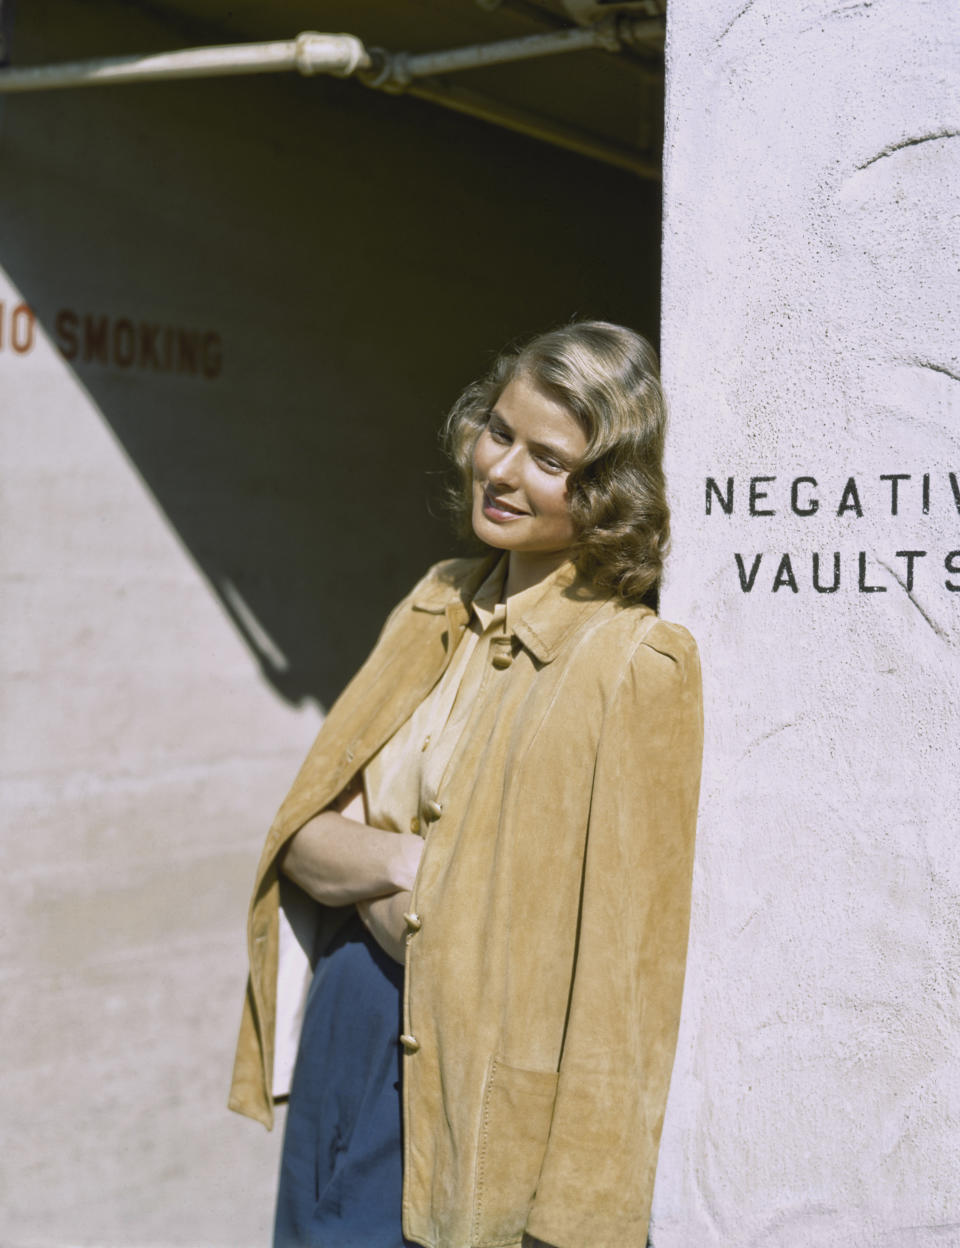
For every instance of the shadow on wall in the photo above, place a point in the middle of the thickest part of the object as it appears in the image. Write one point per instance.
(273, 290)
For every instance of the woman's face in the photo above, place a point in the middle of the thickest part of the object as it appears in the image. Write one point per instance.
(521, 461)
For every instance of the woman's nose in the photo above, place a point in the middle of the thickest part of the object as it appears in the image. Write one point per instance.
(505, 468)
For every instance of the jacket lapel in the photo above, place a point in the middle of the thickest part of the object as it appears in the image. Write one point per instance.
(402, 669)
(548, 617)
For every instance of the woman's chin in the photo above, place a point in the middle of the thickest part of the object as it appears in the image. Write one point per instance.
(493, 539)
(489, 532)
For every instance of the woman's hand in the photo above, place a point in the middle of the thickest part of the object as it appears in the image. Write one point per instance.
(383, 917)
(337, 858)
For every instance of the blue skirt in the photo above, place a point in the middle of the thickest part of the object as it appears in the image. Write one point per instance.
(341, 1168)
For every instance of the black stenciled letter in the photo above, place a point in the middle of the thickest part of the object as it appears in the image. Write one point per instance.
(864, 587)
(826, 589)
(794, 499)
(726, 503)
(747, 579)
(910, 555)
(952, 564)
(785, 576)
(894, 478)
(756, 494)
(850, 499)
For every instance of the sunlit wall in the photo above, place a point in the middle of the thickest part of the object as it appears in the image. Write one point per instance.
(811, 294)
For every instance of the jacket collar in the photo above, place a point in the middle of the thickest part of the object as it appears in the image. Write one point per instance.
(542, 617)
(454, 581)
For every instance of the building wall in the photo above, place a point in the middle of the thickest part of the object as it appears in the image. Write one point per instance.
(811, 292)
(233, 313)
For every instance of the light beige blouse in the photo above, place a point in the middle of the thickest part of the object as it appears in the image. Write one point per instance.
(402, 781)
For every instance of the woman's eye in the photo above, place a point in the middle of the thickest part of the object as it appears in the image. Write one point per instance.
(551, 465)
(498, 434)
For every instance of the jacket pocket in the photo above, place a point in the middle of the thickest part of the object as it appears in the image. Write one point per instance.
(517, 1108)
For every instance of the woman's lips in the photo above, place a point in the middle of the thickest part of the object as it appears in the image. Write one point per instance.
(497, 509)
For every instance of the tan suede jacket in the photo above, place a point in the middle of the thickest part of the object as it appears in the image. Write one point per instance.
(547, 947)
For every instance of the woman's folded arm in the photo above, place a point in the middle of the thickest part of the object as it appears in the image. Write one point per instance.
(385, 919)
(337, 858)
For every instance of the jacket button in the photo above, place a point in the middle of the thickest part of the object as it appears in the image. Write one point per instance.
(432, 810)
(415, 824)
(410, 1043)
(501, 652)
(426, 742)
(413, 920)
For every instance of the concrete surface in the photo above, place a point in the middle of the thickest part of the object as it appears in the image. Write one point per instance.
(811, 299)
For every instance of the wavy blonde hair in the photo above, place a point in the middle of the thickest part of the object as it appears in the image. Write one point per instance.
(608, 379)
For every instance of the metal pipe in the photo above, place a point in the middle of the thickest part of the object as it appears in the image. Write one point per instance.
(309, 53)
(345, 55)
(314, 53)
(405, 66)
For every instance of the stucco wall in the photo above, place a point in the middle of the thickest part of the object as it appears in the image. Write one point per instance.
(811, 300)
(232, 316)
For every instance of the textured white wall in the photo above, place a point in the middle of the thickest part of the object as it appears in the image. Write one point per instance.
(811, 311)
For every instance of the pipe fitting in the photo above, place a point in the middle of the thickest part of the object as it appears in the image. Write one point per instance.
(341, 55)
(639, 33)
(388, 71)
(400, 76)
(608, 34)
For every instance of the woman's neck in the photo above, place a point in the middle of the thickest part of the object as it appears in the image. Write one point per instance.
(527, 567)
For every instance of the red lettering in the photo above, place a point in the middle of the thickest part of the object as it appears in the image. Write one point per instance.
(22, 324)
(66, 330)
(92, 337)
(148, 345)
(124, 343)
(212, 355)
(186, 351)
(95, 339)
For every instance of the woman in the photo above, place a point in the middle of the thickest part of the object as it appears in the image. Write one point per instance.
(507, 797)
